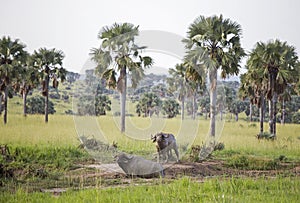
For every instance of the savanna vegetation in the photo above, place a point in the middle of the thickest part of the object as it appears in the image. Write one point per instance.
(55, 117)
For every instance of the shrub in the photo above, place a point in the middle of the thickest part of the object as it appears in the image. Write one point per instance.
(69, 112)
(296, 118)
(65, 97)
(54, 96)
(265, 135)
(219, 146)
(198, 152)
(254, 163)
(91, 105)
(239, 162)
(252, 125)
(36, 105)
(38, 162)
(170, 108)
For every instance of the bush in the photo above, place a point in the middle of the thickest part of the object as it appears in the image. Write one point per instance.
(252, 125)
(93, 105)
(219, 146)
(239, 162)
(197, 151)
(65, 97)
(36, 105)
(254, 163)
(69, 112)
(170, 108)
(38, 162)
(54, 96)
(296, 118)
(265, 135)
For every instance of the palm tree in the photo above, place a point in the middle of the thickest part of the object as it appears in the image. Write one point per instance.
(237, 107)
(283, 98)
(254, 86)
(194, 89)
(195, 79)
(214, 43)
(178, 83)
(246, 91)
(49, 63)
(29, 81)
(278, 63)
(12, 58)
(119, 54)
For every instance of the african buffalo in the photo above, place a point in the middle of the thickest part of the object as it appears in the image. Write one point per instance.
(164, 144)
(136, 165)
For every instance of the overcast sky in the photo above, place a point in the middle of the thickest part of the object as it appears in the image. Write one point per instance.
(72, 26)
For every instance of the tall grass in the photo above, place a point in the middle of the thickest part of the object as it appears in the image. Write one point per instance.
(32, 130)
(182, 190)
(58, 141)
(63, 130)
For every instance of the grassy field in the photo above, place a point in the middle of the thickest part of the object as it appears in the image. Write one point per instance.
(63, 130)
(182, 190)
(46, 152)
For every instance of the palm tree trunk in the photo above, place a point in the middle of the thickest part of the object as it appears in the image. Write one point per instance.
(283, 112)
(194, 106)
(221, 112)
(275, 98)
(24, 103)
(5, 104)
(1, 103)
(182, 108)
(250, 114)
(46, 98)
(236, 117)
(262, 113)
(213, 100)
(123, 106)
(123, 80)
(271, 114)
(271, 104)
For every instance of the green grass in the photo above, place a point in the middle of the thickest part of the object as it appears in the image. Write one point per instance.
(32, 130)
(47, 151)
(238, 137)
(183, 190)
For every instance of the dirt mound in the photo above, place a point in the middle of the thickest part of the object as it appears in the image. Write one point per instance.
(194, 169)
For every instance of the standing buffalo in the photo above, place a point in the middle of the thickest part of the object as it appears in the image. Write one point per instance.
(136, 165)
(164, 145)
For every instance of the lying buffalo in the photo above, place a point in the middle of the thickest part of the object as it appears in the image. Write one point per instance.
(164, 144)
(136, 165)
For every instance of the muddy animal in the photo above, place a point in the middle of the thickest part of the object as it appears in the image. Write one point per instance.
(139, 166)
(164, 144)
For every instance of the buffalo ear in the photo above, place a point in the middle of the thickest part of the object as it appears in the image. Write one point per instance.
(153, 138)
(166, 135)
(128, 157)
(125, 160)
